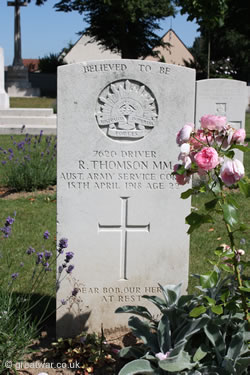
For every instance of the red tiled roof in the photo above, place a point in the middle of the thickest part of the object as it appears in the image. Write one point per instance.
(31, 64)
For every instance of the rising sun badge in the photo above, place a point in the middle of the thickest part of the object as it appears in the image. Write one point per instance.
(126, 110)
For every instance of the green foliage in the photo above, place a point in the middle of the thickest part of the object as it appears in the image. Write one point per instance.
(49, 63)
(126, 27)
(16, 328)
(230, 45)
(29, 164)
(201, 334)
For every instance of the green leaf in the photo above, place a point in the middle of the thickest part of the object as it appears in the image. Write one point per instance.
(171, 293)
(181, 169)
(243, 289)
(214, 186)
(235, 346)
(144, 332)
(242, 364)
(230, 154)
(190, 328)
(163, 332)
(211, 204)
(226, 268)
(195, 220)
(131, 352)
(136, 310)
(211, 301)
(157, 301)
(139, 366)
(240, 147)
(215, 337)
(209, 280)
(197, 311)
(230, 214)
(217, 309)
(178, 363)
(199, 354)
(187, 193)
(244, 188)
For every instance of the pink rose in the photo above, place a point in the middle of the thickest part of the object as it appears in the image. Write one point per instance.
(181, 179)
(200, 138)
(207, 158)
(212, 122)
(232, 171)
(239, 136)
(184, 134)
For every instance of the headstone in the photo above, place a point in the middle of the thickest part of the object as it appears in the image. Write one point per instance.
(4, 98)
(118, 204)
(222, 97)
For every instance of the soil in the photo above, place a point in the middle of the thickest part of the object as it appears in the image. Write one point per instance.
(41, 360)
(10, 194)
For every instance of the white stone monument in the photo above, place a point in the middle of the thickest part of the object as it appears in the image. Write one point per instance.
(4, 98)
(118, 204)
(222, 97)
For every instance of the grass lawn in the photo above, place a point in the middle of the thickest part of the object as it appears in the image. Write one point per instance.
(36, 215)
(35, 102)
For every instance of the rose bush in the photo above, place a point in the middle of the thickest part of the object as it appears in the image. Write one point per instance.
(206, 333)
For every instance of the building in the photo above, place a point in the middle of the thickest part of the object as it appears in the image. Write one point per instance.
(83, 50)
(176, 53)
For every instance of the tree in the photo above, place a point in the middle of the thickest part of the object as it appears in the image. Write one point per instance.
(230, 53)
(126, 26)
(209, 14)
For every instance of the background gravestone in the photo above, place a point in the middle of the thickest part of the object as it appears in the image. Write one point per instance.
(4, 98)
(118, 204)
(222, 97)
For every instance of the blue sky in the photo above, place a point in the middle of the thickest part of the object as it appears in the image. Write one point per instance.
(46, 31)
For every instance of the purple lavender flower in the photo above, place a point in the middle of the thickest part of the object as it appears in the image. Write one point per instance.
(47, 254)
(63, 244)
(30, 250)
(46, 235)
(70, 268)
(69, 256)
(3, 162)
(39, 258)
(20, 145)
(60, 269)
(45, 264)
(14, 275)
(9, 221)
(4, 152)
(74, 292)
(10, 150)
(63, 302)
(6, 231)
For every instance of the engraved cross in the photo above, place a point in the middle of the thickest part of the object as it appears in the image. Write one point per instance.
(17, 47)
(123, 228)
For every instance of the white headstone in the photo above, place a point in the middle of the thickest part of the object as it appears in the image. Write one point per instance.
(4, 98)
(222, 97)
(118, 203)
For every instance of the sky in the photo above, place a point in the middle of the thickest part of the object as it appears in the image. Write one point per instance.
(46, 31)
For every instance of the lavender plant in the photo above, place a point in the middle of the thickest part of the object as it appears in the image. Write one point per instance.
(19, 320)
(30, 164)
